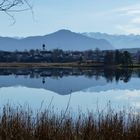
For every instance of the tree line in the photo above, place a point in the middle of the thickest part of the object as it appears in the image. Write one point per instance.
(60, 56)
(117, 57)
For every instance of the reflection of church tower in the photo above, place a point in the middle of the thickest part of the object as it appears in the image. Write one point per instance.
(43, 80)
(43, 47)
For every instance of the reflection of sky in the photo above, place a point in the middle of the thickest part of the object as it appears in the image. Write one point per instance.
(65, 84)
(84, 100)
(133, 84)
(61, 85)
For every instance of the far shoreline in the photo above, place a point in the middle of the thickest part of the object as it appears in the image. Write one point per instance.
(64, 65)
(49, 65)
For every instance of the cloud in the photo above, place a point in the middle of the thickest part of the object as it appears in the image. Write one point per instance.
(131, 16)
(129, 10)
(135, 20)
(128, 29)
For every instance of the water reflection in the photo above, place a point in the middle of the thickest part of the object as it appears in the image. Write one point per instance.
(56, 73)
(87, 87)
(62, 81)
(83, 100)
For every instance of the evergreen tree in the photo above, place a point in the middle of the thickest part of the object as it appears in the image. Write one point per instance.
(117, 57)
(109, 58)
(127, 60)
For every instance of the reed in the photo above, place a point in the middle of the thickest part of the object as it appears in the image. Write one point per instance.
(20, 123)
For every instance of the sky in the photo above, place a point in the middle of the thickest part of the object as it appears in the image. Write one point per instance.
(106, 16)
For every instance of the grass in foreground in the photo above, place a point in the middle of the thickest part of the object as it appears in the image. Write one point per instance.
(23, 124)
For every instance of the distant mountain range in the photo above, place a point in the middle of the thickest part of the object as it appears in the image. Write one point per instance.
(67, 40)
(118, 41)
(62, 39)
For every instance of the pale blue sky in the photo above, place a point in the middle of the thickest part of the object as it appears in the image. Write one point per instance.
(109, 16)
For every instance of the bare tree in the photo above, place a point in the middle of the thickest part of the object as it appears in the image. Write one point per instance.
(9, 6)
(13, 5)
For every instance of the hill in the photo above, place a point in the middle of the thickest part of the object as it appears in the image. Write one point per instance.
(62, 39)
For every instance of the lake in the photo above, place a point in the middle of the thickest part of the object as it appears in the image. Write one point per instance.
(84, 89)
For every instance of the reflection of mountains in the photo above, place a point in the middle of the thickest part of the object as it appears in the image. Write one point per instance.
(63, 81)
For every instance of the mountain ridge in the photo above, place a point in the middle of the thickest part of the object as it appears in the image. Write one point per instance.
(62, 39)
(118, 41)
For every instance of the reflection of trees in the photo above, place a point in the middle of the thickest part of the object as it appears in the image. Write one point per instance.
(137, 72)
(118, 74)
(109, 74)
(127, 75)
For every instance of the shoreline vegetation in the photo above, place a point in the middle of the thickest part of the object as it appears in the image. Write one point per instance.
(64, 65)
(60, 58)
(18, 122)
(50, 65)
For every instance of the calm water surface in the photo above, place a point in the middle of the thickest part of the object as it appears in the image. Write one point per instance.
(87, 88)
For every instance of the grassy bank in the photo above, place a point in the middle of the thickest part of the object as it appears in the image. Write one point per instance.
(64, 65)
(22, 124)
(50, 65)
